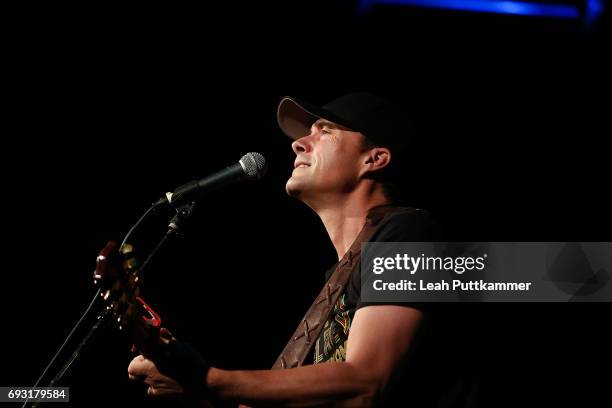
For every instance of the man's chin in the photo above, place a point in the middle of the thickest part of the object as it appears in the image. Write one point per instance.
(293, 188)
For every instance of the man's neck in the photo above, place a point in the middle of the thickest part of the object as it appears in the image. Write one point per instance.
(343, 219)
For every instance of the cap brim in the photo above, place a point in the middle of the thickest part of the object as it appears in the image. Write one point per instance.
(295, 117)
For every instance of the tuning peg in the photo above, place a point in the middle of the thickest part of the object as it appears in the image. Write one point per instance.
(126, 249)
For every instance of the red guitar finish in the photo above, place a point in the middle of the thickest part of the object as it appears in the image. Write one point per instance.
(119, 278)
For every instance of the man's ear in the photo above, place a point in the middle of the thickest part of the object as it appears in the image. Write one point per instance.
(376, 159)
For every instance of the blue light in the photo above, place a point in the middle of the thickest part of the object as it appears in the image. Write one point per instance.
(594, 8)
(492, 6)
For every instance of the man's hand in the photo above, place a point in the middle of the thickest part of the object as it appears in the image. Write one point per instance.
(144, 370)
(179, 372)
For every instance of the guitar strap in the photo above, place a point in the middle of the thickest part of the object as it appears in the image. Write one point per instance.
(312, 323)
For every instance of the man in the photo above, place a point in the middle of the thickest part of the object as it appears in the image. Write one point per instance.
(343, 167)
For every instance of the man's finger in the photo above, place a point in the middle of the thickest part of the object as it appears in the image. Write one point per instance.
(137, 377)
(138, 368)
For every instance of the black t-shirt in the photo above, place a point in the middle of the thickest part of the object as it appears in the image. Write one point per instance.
(401, 227)
(431, 375)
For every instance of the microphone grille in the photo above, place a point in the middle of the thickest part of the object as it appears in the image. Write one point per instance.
(254, 165)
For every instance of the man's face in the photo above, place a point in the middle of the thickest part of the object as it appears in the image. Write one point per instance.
(328, 161)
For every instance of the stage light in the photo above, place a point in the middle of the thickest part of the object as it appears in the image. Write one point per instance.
(591, 11)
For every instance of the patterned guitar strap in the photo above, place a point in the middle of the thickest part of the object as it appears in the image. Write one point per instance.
(310, 326)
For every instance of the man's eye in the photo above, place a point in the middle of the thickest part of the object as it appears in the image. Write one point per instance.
(325, 130)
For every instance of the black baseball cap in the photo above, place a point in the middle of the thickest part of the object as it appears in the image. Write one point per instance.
(381, 121)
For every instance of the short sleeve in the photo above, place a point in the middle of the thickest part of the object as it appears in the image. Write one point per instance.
(408, 226)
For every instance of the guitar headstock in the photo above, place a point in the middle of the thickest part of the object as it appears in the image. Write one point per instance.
(119, 277)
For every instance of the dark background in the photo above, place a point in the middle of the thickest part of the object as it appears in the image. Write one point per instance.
(107, 108)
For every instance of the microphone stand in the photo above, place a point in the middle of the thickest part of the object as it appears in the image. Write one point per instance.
(175, 227)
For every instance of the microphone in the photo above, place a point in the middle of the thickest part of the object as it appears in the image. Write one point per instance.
(252, 166)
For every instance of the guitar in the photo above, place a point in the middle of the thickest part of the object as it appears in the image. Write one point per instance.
(119, 276)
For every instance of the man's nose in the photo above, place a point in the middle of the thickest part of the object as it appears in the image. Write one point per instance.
(301, 145)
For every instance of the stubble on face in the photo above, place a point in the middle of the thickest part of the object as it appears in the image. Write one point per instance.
(323, 160)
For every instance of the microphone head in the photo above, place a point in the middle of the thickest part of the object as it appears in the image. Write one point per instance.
(254, 165)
